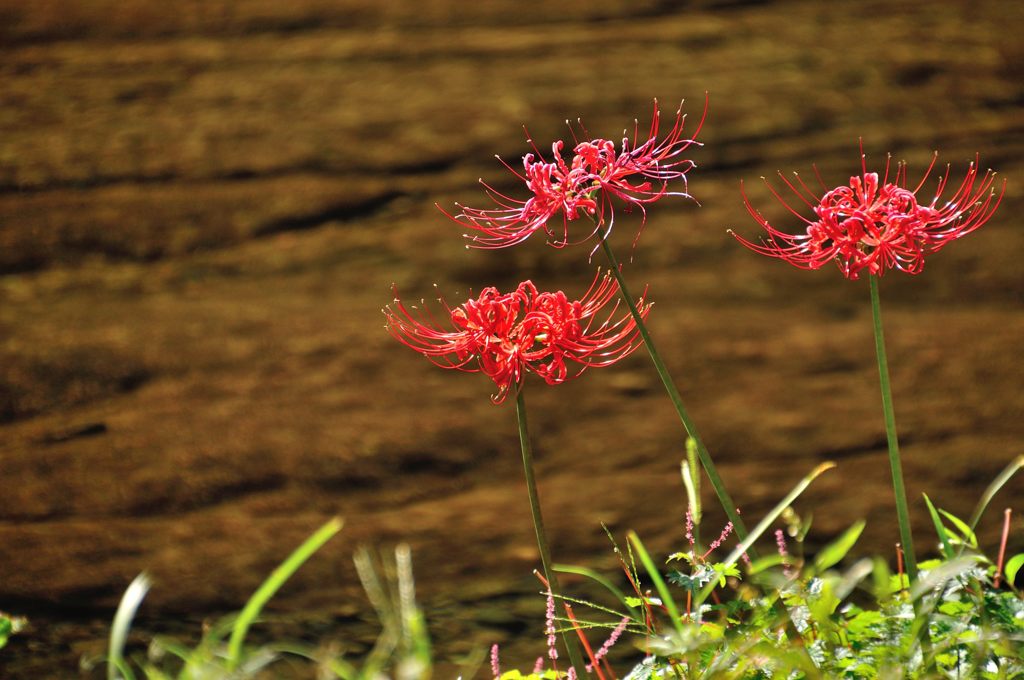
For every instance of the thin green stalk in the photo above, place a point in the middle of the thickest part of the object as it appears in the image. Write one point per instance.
(659, 583)
(902, 510)
(677, 401)
(538, 524)
(271, 585)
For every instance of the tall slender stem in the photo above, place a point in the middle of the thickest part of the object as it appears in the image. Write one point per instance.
(902, 510)
(677, 401)
(538, 523)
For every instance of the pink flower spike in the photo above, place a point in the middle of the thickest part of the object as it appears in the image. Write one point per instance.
(506, 335)
(715, 544)
(563, 190)
(877, 223)
(780, 543)
(495, 666)
(610, 642)
(549, 627)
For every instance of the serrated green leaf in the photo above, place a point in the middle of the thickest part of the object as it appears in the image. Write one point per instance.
(835, 551)
(863, 622)
(686, 581)
(1013, 567)
(723, 571)
(823, 605)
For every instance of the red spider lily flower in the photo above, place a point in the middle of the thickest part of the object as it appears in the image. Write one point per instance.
(877, 224)
(638, 173)
(505, 335)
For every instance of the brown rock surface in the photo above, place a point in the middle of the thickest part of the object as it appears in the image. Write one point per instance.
(203, 206)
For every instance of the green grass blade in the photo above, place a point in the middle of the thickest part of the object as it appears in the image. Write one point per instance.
(383, 602)
(126, 609)
(659, 583)
(1015, 465)
(415, 637)
(940, 528)
(965, 531)
(273, 583)
(598, 578)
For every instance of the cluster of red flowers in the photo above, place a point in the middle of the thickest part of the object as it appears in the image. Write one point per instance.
(505, 335)
(637, 174)
(873, 224)
(877, 224)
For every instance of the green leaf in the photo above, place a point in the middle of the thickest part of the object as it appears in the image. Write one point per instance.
(835, 551)
(685, 581)
(865, 622)
(940, 528)
(823, 605)
(728, 570)
(675, 557)
(965, 531)
(1013, 567)
(762, 563)
(1015, 465)
(957, 608)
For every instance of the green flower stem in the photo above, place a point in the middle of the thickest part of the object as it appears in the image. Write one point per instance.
(902, 510)
(673, 394)
(538, 525)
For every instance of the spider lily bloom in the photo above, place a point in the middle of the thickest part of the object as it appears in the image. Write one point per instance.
(637, 173)
(505, 335)
(878, 224)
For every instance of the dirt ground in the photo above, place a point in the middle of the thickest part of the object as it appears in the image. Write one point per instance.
(203, 206)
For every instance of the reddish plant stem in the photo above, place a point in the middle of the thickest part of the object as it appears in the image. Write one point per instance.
(1002, 547)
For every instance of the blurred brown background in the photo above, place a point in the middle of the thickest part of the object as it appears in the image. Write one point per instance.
(203, 205)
